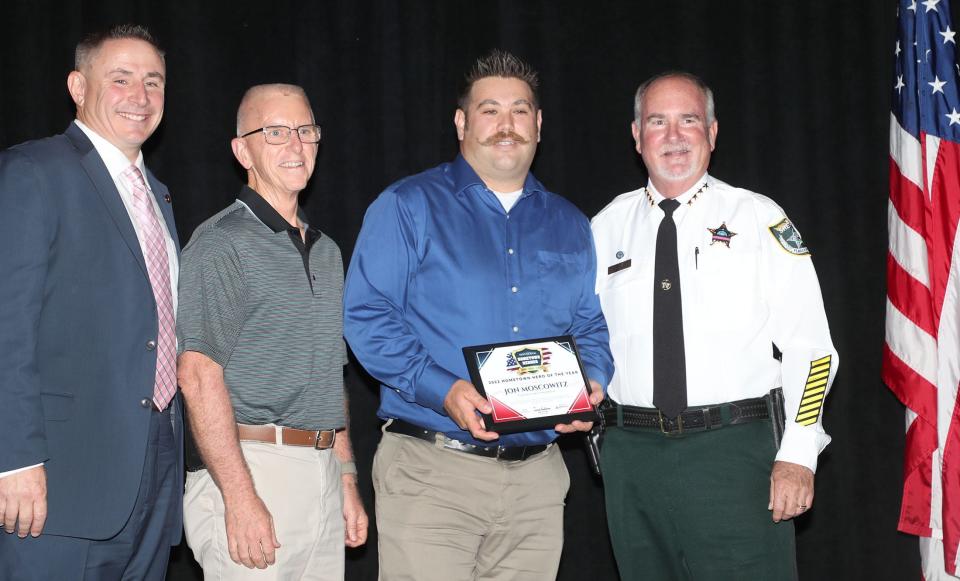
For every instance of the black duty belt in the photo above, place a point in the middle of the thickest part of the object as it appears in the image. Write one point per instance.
(498, 452)
(696, 419)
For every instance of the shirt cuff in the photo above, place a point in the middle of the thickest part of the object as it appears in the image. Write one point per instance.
(802, 445)
(12, 472)
(597, 375)
(433, 386)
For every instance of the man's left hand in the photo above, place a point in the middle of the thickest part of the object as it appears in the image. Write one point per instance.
(354, 516)
(596, 396)
(791, 490)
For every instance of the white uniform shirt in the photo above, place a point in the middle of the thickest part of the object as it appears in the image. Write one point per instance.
(747, 282)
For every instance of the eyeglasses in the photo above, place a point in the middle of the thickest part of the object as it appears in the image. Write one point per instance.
(280, 134)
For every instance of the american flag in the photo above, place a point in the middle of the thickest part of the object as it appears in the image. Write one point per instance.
(921, 359)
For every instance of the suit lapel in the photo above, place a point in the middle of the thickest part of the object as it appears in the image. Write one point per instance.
(96, 170)
(162, 196)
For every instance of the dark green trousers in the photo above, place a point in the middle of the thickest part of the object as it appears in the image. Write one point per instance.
(694, 507)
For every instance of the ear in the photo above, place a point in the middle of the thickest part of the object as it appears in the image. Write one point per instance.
(241, 152)
(712, 135)
(460, 120)
(77, 87)
(635, 130)
(539, 123)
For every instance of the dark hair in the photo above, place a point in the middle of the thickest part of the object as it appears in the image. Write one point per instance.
(500, 63)
(91, 43)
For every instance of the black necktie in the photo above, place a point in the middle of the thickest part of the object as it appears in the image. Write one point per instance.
(669, 361)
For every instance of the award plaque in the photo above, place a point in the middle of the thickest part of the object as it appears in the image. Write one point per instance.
(532, 385)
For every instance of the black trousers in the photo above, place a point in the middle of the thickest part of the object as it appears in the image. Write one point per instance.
(694, 507)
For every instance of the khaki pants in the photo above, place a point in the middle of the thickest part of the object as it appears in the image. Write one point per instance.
(301, 488)
(445, 515)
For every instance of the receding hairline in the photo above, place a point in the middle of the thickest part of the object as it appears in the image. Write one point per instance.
(91, 44)
(676, 75)
(253, 96)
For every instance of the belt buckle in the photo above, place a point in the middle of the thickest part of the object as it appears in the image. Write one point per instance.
(320, 433)
(678, 430)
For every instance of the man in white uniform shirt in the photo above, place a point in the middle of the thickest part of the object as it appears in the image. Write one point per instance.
(712, 302)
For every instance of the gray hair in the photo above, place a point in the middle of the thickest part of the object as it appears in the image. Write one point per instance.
(91, 43)
(257, 91)
(704, 88)
(500, 63)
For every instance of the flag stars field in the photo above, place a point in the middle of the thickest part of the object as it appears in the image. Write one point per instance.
(937, 85)
(947, 36)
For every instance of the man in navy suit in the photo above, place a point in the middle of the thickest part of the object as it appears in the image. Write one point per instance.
(90, 457)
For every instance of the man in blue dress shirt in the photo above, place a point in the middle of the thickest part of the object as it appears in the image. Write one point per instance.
(471, 252)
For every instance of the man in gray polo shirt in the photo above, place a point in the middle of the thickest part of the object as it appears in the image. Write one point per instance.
(261, 365)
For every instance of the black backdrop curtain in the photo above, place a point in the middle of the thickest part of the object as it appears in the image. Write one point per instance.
(803, 92)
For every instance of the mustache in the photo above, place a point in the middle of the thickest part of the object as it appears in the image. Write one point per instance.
(681, 147)
(504, 136)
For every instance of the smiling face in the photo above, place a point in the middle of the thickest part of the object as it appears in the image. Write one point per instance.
(119, 93)
(673, 135)
(498, 131)
(276, 171)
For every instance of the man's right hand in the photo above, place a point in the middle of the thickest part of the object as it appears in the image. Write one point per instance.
(462, 403)
(251, 537)
(23, 501)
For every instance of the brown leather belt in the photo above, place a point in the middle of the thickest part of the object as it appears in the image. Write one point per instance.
(319, 439)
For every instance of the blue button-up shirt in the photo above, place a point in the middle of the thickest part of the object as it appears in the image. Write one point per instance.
(439, 265)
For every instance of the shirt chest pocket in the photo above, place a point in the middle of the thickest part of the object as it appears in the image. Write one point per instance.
(560, 278)
(727, 278)
(625, 298)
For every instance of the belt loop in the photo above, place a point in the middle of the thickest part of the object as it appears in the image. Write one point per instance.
(278, 435)
(439, 440)
(619, 415)
(707, 420)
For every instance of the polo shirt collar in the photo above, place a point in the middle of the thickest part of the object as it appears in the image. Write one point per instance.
(269, 216)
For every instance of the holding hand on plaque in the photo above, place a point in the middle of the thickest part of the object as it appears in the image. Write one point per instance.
(462, 404)
(596, 396)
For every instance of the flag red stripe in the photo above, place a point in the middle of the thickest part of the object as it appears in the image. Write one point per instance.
(951, 490)
(910, 387)
(941, 225)
(908, 199)
(920, 443)
(909, 296)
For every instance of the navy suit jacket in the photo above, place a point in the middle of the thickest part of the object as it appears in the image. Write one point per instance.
(76, 313)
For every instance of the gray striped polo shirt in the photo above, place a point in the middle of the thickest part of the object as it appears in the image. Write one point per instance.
(267, 307)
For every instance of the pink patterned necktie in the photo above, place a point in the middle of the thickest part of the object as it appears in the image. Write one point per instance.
(154, 247)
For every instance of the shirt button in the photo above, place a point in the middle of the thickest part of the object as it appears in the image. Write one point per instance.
(513, 289)
(145, 402)
(151, 345)
(516, 329)
(509, 250)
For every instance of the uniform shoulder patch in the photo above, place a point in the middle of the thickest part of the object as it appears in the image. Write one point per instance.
(789, 237)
